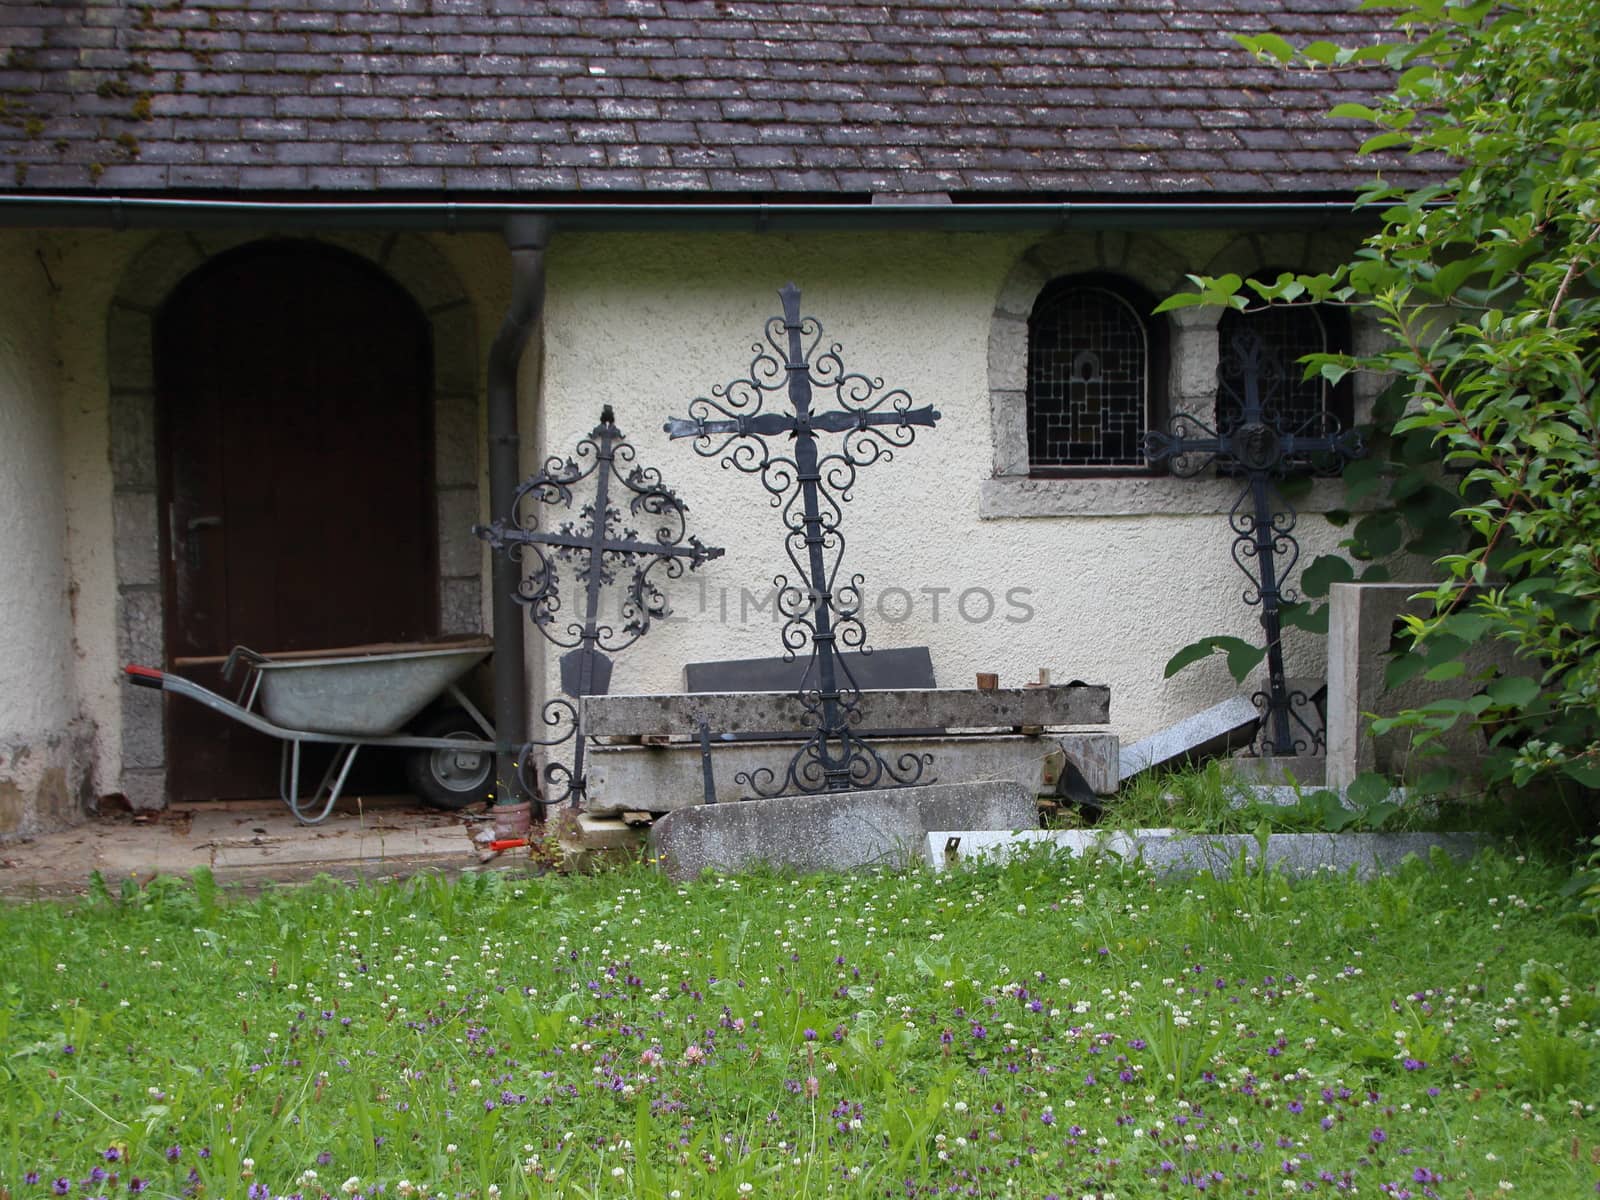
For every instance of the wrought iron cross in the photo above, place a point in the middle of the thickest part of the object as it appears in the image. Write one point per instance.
(600, 547)
(1263, 522)
(809, 486)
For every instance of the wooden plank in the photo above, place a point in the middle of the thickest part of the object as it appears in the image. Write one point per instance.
(764, 712)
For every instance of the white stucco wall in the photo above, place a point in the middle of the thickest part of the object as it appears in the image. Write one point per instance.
(40, 768)
(648, 323)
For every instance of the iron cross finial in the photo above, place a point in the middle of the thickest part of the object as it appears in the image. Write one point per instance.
(1256, 445)
(809, 483)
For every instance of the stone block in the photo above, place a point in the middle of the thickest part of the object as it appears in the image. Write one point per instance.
(1168, 852)
(1008, 353)
(668, 778)
(1008, 420)
(423, 271)
(145, 789)
(461, 606)
(152, 275)
(455, 349)
(130, 361)
(140, 638)
(133, 440)
(1362, 621)
(1193, 372)
(1218, 729)
(455, 440)
(137, 538)
(460, 552)
(144, 743)
(832, 833)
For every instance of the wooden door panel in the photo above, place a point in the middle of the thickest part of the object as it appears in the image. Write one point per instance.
(296, 428)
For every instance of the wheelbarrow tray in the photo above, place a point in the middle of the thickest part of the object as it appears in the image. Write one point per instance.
(360, 695)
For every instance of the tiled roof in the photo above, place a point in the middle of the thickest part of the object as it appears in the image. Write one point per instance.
(686, 98)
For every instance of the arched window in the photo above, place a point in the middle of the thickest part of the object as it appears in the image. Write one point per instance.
(1096, 364)
(1288, 332)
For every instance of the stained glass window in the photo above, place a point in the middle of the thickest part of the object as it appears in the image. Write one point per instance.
(1288, 332)
(1090, 372)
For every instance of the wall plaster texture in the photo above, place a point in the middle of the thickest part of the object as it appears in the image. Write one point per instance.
(1107, 595)
(42, 772)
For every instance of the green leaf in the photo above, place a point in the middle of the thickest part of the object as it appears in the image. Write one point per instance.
(1514, 691)
(1353, 112)
(1403, 669)
(1446, 670)
(1383, 141)
(1377, 535)
(1303, 616)
(1243, 657)
(1585, 770)
(1270, 45)
(1367, 789)
(1326, 570)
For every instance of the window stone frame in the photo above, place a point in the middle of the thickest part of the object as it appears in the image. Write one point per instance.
(1153, 262)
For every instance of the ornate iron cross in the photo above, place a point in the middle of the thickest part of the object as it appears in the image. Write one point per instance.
(1256, 445)
(599, 547)
(809, 486)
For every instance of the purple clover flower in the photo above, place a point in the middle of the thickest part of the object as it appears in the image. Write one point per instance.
(61, 1186)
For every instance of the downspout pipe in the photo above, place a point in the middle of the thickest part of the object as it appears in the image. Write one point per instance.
(526, 236)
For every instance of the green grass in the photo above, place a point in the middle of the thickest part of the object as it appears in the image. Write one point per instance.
(1046, 1027)
(1211, 799)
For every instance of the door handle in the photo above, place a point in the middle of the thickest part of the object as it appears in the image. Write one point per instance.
(191, 544)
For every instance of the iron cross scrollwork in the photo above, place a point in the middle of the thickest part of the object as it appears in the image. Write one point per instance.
(1256, 445)
(600, 549)
(809, 484)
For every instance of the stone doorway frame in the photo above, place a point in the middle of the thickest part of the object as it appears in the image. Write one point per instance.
(151, 275)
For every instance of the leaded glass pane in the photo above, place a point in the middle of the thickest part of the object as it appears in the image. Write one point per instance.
(1088, 380)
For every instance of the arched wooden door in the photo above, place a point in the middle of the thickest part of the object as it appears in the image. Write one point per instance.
(295, 437)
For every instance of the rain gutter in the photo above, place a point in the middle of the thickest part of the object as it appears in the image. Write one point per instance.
(526, 237)
(490, 216)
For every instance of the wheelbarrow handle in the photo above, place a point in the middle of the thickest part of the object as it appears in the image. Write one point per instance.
(144, 676)
(238, 653)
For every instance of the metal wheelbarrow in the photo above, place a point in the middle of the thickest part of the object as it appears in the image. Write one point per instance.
(350, 699)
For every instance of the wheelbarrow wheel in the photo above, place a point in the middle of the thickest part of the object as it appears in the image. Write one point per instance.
(450, 778)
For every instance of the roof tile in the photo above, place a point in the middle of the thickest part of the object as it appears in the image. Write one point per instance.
(791, 97)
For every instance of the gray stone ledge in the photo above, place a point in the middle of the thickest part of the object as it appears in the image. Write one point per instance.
(1131, 496)
(1168, 852)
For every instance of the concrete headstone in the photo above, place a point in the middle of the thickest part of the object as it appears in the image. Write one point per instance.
(843, 831)
(1216, 730)
(1362, 619)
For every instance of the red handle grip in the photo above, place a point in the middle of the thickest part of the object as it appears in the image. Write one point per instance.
(143, 676)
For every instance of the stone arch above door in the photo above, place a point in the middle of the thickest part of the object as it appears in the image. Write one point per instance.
(149, 279)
